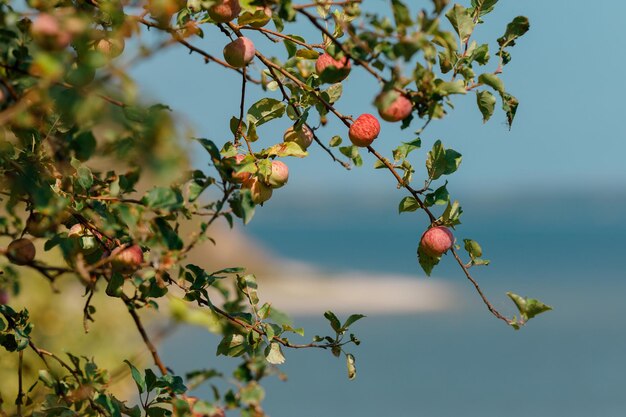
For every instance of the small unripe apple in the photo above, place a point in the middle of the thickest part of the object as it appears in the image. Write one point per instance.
(110, 47)
(21, 251)
(240, 177)
(364, 130)
(437, 240)
(225, 11)
(331, 70)
(302, 136)
(39, 225)
(260, 192)
(257, 19)
(279, 175)
(239, 52)
(128, 259)
(393, 106)
(48, 32)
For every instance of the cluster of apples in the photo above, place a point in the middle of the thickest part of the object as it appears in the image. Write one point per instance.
(392, 104)
(57, 31)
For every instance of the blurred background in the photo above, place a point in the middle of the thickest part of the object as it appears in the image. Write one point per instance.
(545, 200)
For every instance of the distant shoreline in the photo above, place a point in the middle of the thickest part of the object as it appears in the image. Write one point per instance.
(307, 292)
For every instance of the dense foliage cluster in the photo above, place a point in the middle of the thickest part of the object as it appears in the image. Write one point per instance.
(76, 140)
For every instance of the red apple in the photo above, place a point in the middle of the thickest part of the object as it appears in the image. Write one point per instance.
(393, 106)
(21, 251)
(128, 259)
(302, 136)
(437, 240)
(225, 11)
(4, 297)
(332, 70)
(239, 52)
(279, 175)
(364, 130)
(48, 32)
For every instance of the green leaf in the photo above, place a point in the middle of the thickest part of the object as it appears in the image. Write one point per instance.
(172, 239)
(163, 198)
(451, 87)
(285, 149)
(150, 379)
(492, 81)
(452, 214)
(83, 174)
(307, 54)
(352, 152)
(408, 204)
(114, 286)
(248, 285)
(252, 394)
(265, 110)
(84, 145)
(242, 205)
(210, 148)
(141, 383)
(473, 248)
(333, 93)
(439, 197)
(351, 320)
(274, 354)
(486, 104)
(483, 6)
(528, 307)
(402, 151)
(426, 261)
(441, 161)
(350, 363)
(298, 331)
(334, 141)
(250, 17)
(461, 21)
(518, 27)
(136, 113)
(232, 345)
(401, 15)
(158, 412)
(480, 54)
(509, 105)
(334, 321)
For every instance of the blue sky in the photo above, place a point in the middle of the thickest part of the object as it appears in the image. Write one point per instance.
(568, 133)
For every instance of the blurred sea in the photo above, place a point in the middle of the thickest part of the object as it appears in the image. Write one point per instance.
(566, 249)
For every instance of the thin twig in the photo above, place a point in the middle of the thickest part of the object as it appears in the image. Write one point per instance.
(20, 390)
(480, 292)
(146, 339)
(207, 57)
(325, 3)
(345, 50)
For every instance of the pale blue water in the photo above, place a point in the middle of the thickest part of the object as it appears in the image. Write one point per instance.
(565, 249)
